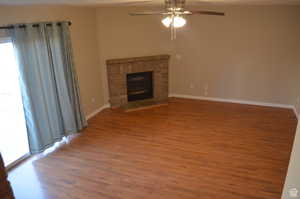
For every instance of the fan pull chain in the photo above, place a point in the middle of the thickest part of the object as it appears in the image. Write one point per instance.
(173, 29)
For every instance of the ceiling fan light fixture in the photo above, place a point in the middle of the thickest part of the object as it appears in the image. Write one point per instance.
(167, 21)
(178, 21)
(174, 15)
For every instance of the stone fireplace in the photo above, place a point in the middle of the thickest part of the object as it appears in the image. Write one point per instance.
(139, 78)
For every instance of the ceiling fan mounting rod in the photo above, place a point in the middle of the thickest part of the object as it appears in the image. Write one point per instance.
(174, 4)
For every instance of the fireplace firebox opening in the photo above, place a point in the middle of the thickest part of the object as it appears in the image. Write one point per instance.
(139, 86)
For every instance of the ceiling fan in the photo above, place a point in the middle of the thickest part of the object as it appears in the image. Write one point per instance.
(174, 14)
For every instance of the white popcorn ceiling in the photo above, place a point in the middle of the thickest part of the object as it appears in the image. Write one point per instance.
(145, 2)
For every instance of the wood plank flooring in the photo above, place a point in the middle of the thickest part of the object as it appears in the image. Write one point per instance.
(187, 150)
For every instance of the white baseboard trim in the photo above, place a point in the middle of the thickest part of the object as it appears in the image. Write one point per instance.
(92, 114)
(287, 106)
(296, 112)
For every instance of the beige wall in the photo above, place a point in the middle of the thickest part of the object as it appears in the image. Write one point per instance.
(248, 55)
(293, 177)
(84, 39)
(296, 75)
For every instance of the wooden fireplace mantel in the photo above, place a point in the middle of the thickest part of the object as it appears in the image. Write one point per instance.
(137, 59)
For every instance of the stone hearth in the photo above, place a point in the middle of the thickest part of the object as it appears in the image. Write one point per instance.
(117, 70)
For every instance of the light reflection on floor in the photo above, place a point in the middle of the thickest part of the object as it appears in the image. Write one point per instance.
(24, 179)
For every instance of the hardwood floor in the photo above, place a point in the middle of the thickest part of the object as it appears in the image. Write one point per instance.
(187, 150)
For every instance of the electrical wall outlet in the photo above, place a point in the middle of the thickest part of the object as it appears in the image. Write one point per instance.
(93, 100)
(178, 56)
(192, 86)
(205, 90)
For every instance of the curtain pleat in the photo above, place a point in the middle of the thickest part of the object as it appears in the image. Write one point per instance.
(48, 82)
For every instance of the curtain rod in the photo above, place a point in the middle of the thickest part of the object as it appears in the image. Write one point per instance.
(34, 25)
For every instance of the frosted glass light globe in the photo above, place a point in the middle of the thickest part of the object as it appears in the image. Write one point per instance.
(178, 22)
(167, 21)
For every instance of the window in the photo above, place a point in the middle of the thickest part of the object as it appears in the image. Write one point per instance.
(13, 133)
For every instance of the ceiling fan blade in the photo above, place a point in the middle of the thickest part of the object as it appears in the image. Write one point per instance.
(131, 3)
(149, 13)
(203, 12)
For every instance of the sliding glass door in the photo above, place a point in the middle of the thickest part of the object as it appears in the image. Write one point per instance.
(13, 134)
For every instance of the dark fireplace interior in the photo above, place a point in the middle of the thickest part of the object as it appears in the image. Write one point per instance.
(139, 86)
